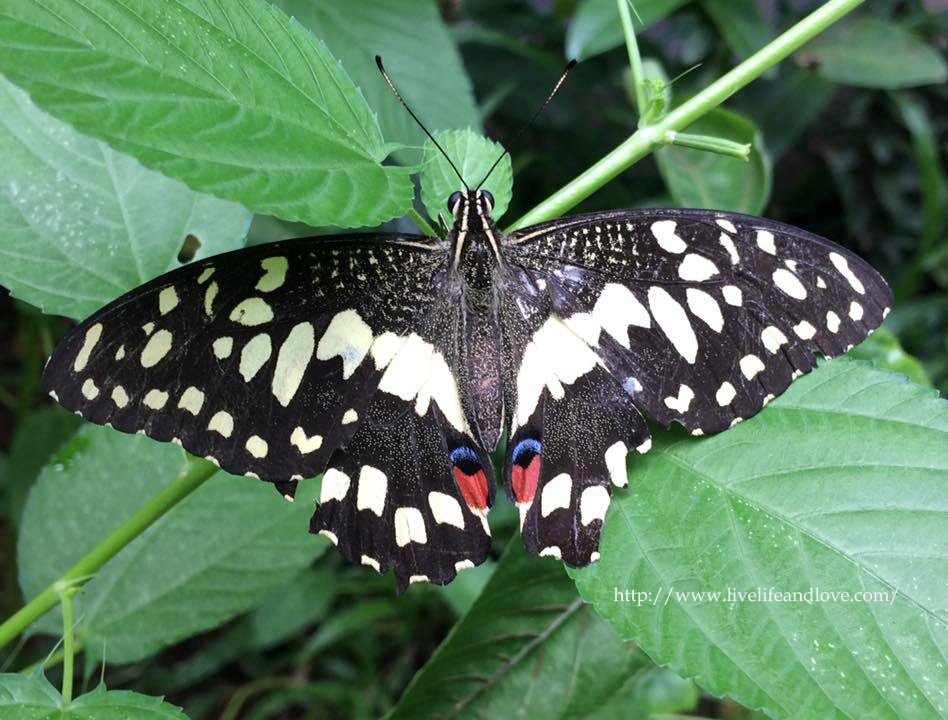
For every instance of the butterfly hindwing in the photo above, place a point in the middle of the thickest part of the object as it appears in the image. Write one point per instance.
(703, 316)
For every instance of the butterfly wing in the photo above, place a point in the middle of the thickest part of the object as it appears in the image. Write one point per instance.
(281, 360)
(700, 317)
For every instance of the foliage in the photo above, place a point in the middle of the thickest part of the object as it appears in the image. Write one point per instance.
(138, 135)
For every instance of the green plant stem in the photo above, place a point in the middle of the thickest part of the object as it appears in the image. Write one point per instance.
(646, 139)
(635, 59)
(196, 472)
(65, 597)
(421, 223)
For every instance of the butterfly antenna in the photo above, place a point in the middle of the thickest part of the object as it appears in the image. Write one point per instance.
(569, 66)
(378, 61)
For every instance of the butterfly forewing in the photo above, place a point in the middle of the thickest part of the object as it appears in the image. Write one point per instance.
(702, 316)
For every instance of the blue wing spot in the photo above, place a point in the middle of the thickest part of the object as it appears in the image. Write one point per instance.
(466, 460)
(525, 451)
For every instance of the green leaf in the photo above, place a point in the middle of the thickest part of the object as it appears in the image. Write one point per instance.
(355, 32)
(883, 349)
(232, 97)
(799, 88)
(701, 179)
(741, 23)
(527, 618)
(212, 557)
(31, 697)
(874, 53)
(473, 156)
(41, 434)
(841, 485)
(595, 27)
(78, 221)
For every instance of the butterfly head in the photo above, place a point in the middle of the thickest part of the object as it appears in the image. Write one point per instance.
(472, 203)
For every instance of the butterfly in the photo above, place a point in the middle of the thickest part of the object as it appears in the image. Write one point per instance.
(394, 364)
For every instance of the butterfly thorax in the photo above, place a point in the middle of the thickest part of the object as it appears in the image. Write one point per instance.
(476, 262)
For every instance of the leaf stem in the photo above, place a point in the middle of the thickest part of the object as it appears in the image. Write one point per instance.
(193, 475)
(635, 60)
(65, 591)
(646, 139)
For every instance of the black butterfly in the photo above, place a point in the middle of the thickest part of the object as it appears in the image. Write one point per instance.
(394, 363)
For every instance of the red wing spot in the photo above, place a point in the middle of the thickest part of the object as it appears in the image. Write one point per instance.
(473, 488)
(525, 480)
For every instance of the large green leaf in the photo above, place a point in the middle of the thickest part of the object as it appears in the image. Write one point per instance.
(701, 179)
(230, 96)
(529, 647)
(213, 556)
(31, 697)
(473, 156)
(841, 484)
(874, 53)
(355, 32)
(81, 223)
(595, 27)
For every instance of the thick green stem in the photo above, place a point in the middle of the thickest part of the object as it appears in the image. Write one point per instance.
(194, 475)
(646, 139)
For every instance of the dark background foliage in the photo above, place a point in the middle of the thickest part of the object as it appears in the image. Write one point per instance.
(859, 159)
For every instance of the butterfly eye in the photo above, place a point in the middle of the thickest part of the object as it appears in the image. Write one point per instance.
(489, 199)
(454, 201)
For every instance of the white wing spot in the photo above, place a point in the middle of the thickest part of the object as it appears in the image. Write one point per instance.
(765, 241)
(292, 361)
(726, 225)
(705, 307)
(462, 565)
(731, 249)
(804, 330)
(209, 296)
(409, 526)
(696, 268)
(417, 579)
(725, 394)
(155, 399)
(148, 328)
(349, 416)
(616, 309)
(254, 356)
(335, 486)
(275, 274)
(556, 494)
(552, 551)
(120, 353)
(371, 562)
(89, 390)
(119, 396)
(673, 321)
(615, 462)
(855, 311)
(832, 321)
(257, 446)
(158, 346)
(222, 423)
(167, 300)
(331, 535)
(445, 509)
(791, 265)
(223, 347)
(304, 443)
(385, 347)
(373, 489)
(664, 232)
(192, 400)
(750, 366)
(89, 342)
(773, 339)
(250, 312)
(683, 401)
(644, 447)
(347, 336)
(205, 275)
(593, 504)
(789, 283)
(843, 266)
(733, 295)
